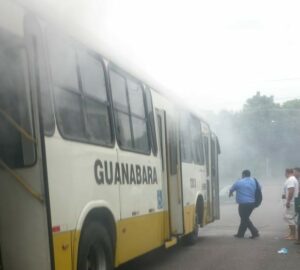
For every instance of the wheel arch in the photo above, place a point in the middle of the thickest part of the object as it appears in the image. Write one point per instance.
(101, 212)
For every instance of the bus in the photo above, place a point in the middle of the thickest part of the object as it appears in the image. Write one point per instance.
(96, 166)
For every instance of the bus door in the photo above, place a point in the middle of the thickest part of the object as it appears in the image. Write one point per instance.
(169, 143)
(215, 151)
(25, 228)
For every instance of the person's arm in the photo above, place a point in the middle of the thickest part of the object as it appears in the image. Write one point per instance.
(232, 189)
(291, 191)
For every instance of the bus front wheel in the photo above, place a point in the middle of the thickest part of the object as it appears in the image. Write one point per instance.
(95, 249)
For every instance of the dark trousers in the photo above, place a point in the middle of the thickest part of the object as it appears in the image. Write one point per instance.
(245, 211)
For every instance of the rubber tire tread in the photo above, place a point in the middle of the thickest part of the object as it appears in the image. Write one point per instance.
(92, 232)
(192, 238)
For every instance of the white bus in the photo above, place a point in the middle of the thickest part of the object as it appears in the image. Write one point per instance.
(96, 167)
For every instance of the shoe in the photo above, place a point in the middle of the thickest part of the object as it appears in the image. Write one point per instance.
(238, 236)
(254, 236)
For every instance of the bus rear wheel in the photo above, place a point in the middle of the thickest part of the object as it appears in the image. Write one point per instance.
(95, 249)
(192, 238)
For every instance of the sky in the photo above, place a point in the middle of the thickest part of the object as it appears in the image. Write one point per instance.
(212, 55)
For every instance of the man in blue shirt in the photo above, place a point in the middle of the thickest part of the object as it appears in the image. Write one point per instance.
(245, 197)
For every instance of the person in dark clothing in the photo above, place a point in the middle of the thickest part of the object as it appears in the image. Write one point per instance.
(245, 197)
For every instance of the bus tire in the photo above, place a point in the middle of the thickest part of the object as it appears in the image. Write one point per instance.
(192, 238)
(95, 248)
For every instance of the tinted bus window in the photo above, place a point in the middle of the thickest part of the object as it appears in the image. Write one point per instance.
(161, 141)
(82, 107)
(185, 140)
(130, 113)
(96, 104)
(173, 150)
(213, 157)
(197, 144)
(151, 121)
(206, 148)
(122, 116)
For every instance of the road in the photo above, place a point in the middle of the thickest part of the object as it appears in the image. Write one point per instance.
(217, 249)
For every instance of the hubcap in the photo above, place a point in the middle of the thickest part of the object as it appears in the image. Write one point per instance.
(96, 259)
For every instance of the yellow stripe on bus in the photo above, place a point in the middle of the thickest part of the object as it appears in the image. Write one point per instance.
(62, 243)
(138, 235)
(189, 218)
(135, 236)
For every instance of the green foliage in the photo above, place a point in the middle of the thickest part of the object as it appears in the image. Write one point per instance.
(291, 104)
(260, 102)
(264, 137)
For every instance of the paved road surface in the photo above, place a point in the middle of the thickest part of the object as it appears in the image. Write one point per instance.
(217, 249)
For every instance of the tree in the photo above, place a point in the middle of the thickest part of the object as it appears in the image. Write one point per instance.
(263, 137)
(291, 104)
(260, 102)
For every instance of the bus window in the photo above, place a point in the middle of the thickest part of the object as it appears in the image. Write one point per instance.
(206, 148)
(197, 144)
(161, 142)
(213, 158)
(66, 88)
(82, 107)
(151, 120)
(136, 100)
(173, 150)
(63, 64)
(138, 117)
(69, 113)
(186, 142)
(200, 143)
(96, 102)
(129, 107)
(118, 86)
(93, 78)
(16, 150)
(124, 131)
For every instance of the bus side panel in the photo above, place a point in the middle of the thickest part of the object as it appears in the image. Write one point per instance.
(193, 177)
(138, 235)
(72, 186)
(24, 228)
(142, 219)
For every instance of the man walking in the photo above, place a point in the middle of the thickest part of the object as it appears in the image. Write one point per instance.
(245, 197)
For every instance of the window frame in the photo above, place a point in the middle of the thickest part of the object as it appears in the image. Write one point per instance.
(113, 68)
(83, 95)
(151, 122)
(196, 122)
(173, 146)
(185, 134)
(206, 139)
(213, 147)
